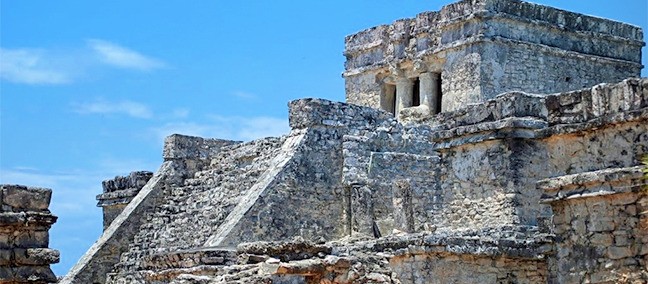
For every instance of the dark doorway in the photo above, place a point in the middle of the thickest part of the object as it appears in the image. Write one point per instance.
(416, 92)
(440, 93)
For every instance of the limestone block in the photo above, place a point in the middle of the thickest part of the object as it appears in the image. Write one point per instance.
(5, 256)
(604, 239)
(35, 274)
(25, 198)
(31, 239)
(4, 241)
(36, 256)
(615, 252)
(601, 225)
(178, 146)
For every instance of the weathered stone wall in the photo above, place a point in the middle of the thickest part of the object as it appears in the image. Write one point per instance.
(483, 48)
(183, 155)
(306, 196)
(601, 225)
(491, 155)
(189, 213)
(411, 198)
(375, 161)
(351, 170)
(505, 255)
(509, 65)
(465, 268)
(118, 192)
(24, 238)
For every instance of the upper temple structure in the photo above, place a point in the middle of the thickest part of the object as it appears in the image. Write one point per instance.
(471, 51)
(492, 141)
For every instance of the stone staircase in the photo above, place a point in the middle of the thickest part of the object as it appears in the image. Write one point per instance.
(189, 214)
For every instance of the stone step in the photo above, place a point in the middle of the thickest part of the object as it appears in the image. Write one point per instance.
(189, 214)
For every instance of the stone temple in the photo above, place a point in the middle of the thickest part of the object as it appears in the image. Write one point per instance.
(492, 141)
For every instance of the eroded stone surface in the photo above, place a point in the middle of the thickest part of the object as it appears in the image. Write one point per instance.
(538, 184)
(24, 224)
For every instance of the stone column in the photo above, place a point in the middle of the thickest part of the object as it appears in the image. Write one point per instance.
(403, 207)
(404, 89)
(429, 90)
(362, 211)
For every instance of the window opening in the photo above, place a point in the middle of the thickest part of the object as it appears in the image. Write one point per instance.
(388, 99)
(416, 92)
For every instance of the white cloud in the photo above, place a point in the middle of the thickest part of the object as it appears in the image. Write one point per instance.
(258, 127)
(50, 66)
(122, 57)
(233, 128)
(129, 108)
(31, 66)
(245, 96)
(180, 113)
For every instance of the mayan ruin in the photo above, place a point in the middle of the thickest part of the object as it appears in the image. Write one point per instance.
(492, 141)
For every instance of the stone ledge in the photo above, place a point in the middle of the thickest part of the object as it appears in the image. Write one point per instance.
(602, 100)
(310, 112)
(117, 197)
(134, 180)
(26, 219)
(178, 146)
(524, 242)
(20, 198)
(505, 105)
(596, 123)
(506, 128)
(190, 258)
(285, 251)
(539, 14)
(36, 256)
(589, 184)
(506, 123)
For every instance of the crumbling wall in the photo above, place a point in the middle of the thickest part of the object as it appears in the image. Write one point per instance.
(466, 268)
(389, 174)
(601, 226)
(118, 192)
(25, 221)
(183, 156)
(505, 255)
(304, 196)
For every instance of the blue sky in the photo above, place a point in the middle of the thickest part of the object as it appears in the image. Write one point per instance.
(90, 88)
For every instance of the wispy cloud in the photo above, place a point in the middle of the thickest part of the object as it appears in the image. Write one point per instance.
(130, 108)
(233, 127)
(122, 57)
(258, 127)
(31, 66)
(180, 113)
(63, 66)
(245, 96)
